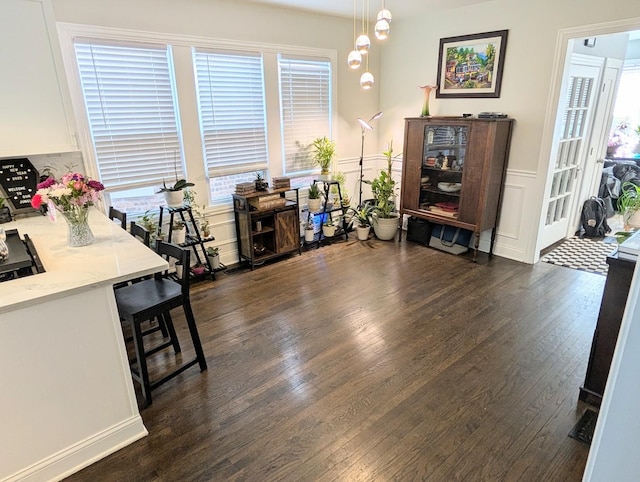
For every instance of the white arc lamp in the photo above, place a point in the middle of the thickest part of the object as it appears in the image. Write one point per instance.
(365, 126)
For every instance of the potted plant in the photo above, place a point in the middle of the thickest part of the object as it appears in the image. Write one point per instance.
(149, 223)
(213, 253)
(198, 269)
(178, 232)
(174, 195)
(383, 187)
(261, 184)
(362, 218)
(309, 231)
(329, 228)
(323, 152)
(315, 200)
(5, 212)
(629, 205)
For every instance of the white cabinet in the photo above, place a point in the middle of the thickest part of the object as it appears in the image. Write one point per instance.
(36, 115)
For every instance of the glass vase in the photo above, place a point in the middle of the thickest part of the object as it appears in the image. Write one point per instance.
(426, 89)
(79, 233)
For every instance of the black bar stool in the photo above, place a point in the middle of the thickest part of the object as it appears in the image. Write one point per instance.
(148, 299)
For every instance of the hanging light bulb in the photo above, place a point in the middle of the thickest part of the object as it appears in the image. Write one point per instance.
(363, 43)
(354, 59)
(367, 80)
(384, 14)
(382, 29)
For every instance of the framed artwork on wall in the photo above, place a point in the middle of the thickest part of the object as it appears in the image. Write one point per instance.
(471, 65)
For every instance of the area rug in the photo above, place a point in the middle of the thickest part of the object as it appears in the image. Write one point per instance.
(583, 430)
(584, 254)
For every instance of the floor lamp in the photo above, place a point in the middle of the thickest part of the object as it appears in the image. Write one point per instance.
(365, 126)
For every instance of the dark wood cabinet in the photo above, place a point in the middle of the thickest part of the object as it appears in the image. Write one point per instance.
(605, 336)
(267, 224)
(453, 171)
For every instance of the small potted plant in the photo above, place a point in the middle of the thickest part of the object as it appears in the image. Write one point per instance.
(178, 232)
(629, 205)
(329, 228)
(198, 269)
(173, 195)
(362, 218)
(315, 198)
(323, 152)
(261, 184)
(309, 231)
(213, 253)
(5, 212)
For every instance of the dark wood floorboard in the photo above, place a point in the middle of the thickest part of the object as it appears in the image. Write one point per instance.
(375, 361)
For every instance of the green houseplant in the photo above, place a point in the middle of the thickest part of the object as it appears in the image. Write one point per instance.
(173, 194)
(383, 188)
(315, 199)
(629, 205)
(362, 218)
(213, 253)
(323, 152)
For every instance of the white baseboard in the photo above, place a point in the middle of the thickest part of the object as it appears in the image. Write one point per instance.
(82, 454)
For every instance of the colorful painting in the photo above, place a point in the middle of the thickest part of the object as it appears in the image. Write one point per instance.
(471, 65)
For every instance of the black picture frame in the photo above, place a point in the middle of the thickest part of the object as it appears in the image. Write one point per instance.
(481, 73)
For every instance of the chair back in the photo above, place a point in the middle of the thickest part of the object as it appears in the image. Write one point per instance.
(140, 232)
(180, 255)
(119, 215)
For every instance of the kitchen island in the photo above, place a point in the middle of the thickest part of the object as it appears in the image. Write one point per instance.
(67, 394)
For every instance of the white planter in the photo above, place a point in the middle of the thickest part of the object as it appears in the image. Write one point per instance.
(215, 261)
(179, 236)
(363, 232)
(309, 235)
(178, 270)
(632, 220)
(328, 231)
(385, 228)
(315, 205)
(174, 199)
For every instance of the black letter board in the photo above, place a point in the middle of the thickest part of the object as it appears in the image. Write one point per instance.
(18, 182)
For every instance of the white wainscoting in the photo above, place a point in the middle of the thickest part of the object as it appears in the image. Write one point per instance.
(514, 224)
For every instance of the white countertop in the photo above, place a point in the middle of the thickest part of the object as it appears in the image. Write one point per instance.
(113, 256)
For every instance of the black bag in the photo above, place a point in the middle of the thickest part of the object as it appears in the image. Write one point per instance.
(594, 218)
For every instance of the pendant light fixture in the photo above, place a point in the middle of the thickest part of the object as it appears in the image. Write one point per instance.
(382, 25)
(366, 79)
(363, 42)
(355, 58)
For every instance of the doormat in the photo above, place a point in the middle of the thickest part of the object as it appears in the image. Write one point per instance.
(583, 430)
(584, 254)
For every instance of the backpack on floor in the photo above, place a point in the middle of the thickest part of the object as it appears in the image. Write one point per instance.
(594, 218)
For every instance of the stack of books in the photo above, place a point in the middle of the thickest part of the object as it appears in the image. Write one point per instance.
(270, 201)
(281, 182)
(245, 188)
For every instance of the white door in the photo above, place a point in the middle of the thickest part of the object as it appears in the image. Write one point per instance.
(572, 134)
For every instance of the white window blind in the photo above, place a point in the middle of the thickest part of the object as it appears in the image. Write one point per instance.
(129, 98)
(232, 112)
(305, 109)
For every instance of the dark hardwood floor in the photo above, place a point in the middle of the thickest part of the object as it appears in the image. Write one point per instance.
(376, 361)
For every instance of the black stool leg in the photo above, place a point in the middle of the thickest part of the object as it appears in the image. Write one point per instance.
(165, 319)
(193, 329)
(143, 374)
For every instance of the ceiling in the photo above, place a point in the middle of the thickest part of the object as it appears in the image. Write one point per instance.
(344, 8)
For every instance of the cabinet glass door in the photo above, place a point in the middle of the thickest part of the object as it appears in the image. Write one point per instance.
(442, 165)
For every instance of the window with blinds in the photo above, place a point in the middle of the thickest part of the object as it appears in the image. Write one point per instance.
(232, 112)
(129, 95)
(305, 109)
